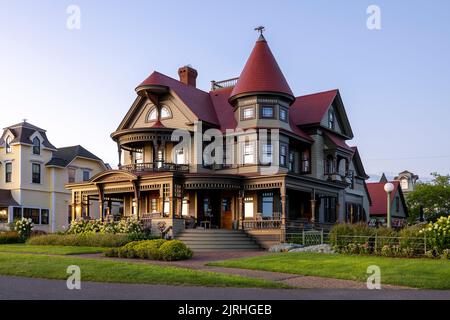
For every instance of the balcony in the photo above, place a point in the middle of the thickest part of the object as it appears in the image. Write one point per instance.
(155, 167)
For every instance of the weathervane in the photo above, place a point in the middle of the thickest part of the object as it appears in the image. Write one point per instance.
(24, 120)
(260, 29)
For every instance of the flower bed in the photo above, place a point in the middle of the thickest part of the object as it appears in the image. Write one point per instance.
(157, 249)
(430, 241)
(10, 237)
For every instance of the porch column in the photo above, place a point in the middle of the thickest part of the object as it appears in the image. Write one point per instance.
(100, 201)
(137, 198)
(119, 151)
(313, 206)
(240, 210)
(283, 213)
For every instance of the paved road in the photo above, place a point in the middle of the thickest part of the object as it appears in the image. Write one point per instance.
(26, 288)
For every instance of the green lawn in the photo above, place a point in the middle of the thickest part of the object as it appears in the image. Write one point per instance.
(61, 250)
(417, 273)
(54, 267)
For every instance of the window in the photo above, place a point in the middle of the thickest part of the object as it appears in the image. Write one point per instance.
(248, 113)
(36, 146)
(291, 161)
(249, 152)
(153, 115)
(283, 114)
(71, 175)
(267, 112)
(8, 145)
(185, 207)
(17, 213)
(44, 216)
(153, 205)
(138, 157)
(329, 168)
(283, 155)
(404, 183)
(397, 204)
(32, 214)
(306, 162)
(86, 175)
(8, 172)
(36, 173)
(266, 156)
(248, 207)
(267, 204)
(4, 215)
(165, 113)
(331, 119)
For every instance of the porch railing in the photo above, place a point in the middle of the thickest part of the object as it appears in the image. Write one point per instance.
(261, 224)
(155, 167)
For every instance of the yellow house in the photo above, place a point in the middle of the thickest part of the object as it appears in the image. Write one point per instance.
(33, 175)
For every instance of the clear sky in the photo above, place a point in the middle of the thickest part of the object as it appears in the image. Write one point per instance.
(78, 84)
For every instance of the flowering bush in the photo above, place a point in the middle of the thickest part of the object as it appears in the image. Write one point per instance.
(438, 234)
(24, 227)
(128, 226)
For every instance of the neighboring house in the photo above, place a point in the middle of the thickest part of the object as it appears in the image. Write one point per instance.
(407, 181)
(378, 209)
(316, 178)
(33, 174)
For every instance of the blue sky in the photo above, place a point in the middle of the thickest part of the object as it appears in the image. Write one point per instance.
(78, 84)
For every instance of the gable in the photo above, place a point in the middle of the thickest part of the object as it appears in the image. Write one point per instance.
(179, 116)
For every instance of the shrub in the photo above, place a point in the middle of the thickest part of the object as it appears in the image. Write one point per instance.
(84, 240)
(24, 227)
(10, 237)
(343, 234)
(175, 250)
(438, 234)
(127, 251)
(445, 254)
(111, 252)
(149, 249)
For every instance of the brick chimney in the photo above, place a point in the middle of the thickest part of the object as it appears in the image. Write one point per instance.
(188, 75)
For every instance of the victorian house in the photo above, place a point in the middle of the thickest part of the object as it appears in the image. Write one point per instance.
(33, 175)
(284, 164)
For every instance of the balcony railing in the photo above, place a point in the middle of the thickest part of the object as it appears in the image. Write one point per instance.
(155, 167)
(223, 84)
(261, 224)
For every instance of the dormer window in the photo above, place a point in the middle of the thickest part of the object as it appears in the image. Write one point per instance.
(36, 146)
(8, 145)
(165, 113)
(331, 119)
(153, 115)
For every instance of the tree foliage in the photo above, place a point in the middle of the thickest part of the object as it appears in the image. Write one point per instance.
(433, 197)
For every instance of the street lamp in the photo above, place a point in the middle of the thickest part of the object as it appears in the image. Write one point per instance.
(388, 187)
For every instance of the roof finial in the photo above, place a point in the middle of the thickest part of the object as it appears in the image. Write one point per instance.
(24, 120)
(260, 29)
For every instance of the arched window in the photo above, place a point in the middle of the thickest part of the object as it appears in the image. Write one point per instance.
(153, 114)
(8, 145)
(165, 113)
(36, 146)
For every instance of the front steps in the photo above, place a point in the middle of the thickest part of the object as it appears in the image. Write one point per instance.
(217, 240)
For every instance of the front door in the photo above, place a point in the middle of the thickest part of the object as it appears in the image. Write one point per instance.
(226, 221)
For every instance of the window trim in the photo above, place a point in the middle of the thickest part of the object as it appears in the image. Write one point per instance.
(8, 175)
(8, 144)
(22, 209)
(331, 119)
(286, 111)
(88, 173)
(36, 146)
(243, 118)
(152, 109)
(286, 155)
(36, 165)
(252, 145)
(261, 112)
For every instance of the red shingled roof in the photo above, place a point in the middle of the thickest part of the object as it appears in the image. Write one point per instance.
(339, 142)
(261, 73)
(197, 100)
(379, 197)
(311, 108)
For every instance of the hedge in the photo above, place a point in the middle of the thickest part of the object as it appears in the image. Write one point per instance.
(10, 237)
(82, 240)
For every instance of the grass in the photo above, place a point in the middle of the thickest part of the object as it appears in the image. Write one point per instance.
(60, 250)
(54, 267)
(417, 273)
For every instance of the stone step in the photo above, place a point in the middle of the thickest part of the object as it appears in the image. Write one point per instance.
(217, 239)
(223, 246)
(212, 237)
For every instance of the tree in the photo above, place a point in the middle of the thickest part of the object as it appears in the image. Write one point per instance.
(433, 197)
